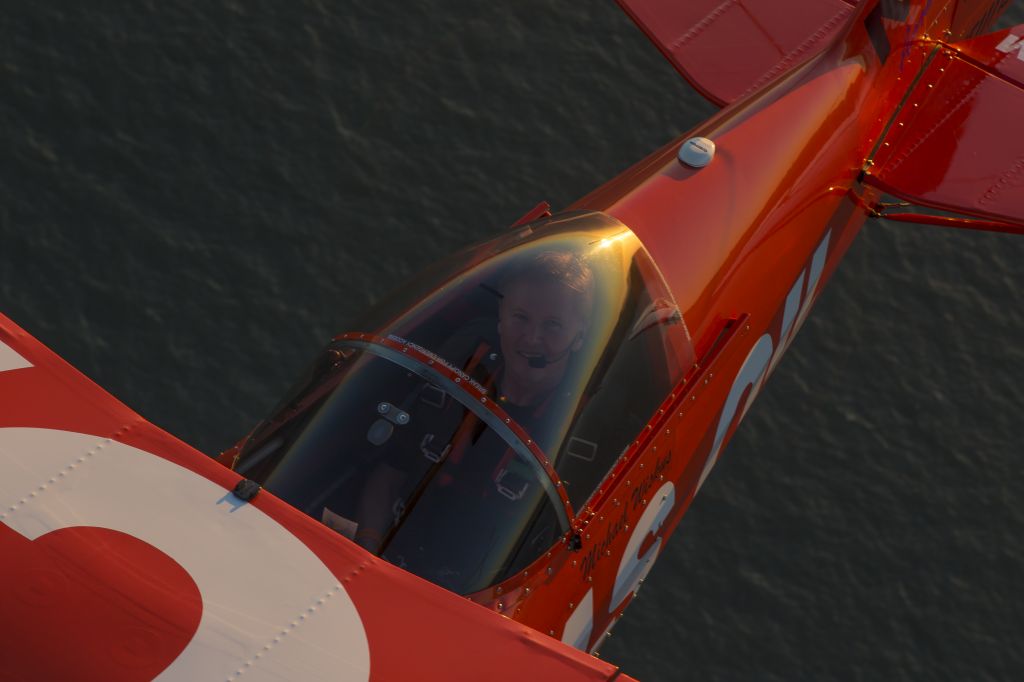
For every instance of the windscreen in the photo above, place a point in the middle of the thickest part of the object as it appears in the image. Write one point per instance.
(571, 326)
(391, 454)
(565, 340)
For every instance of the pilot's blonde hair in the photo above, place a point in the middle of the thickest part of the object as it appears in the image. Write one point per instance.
(564, 267)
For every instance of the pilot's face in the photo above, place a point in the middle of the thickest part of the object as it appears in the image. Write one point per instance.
(539, 319)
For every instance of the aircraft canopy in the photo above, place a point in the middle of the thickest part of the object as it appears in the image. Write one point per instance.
(456, 434)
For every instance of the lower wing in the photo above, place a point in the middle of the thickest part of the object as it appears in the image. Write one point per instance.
(125, 555)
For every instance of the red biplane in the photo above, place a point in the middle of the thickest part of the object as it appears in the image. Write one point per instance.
(485, 470)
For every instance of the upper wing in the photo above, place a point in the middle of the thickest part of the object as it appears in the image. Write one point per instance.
(728, 48)
(956, 143)
(126, 556)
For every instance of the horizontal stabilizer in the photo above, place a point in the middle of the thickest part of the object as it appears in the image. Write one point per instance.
(956, 143)
(728, 48)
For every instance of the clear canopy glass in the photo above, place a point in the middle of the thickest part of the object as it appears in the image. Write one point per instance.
(455, 433)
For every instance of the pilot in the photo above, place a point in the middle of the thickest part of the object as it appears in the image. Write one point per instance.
(543, 319)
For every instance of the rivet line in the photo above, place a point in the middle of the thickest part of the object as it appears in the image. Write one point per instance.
(284, 633)
(62, 473)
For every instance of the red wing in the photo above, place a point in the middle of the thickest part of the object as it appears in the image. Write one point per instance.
(728, 48)
(124, 555)
(956, 143)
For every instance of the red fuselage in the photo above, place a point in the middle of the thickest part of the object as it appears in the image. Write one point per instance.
(745, 244)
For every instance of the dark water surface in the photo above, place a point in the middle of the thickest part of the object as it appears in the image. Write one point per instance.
(197, 195)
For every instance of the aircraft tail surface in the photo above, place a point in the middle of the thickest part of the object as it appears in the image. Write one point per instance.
(728, 49)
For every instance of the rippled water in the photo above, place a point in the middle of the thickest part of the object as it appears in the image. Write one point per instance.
(197, 195)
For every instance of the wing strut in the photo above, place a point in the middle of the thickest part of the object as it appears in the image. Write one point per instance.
(951, 221)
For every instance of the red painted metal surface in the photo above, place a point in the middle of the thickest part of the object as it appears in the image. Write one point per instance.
(124, 610)
(541, 210)
(751, 238)
(974, 17)
(732, 48)
(745, 245)
(951, 145)
(959, 223)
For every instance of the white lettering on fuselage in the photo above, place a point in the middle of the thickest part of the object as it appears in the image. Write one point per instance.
(634, 567)
(761, 359)
(765, 354)
(580, 625)
(1011, 43)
